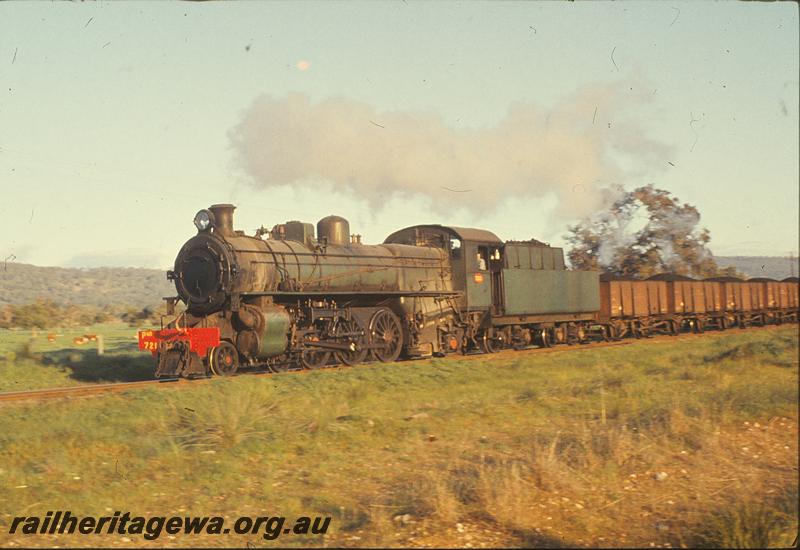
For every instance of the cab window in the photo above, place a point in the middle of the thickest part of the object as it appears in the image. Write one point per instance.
(455, 248)
(482, 259)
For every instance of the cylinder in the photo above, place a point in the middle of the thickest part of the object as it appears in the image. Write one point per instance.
(223, 219)
(333, 230)
(267, 336)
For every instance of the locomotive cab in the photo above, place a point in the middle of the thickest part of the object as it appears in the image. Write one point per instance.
(476, 258)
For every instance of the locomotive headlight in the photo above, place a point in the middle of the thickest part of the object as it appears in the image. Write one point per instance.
(203, 220)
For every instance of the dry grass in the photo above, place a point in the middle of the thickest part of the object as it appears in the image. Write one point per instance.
(751, 524)
(663, 443)
(613, 487)
(232, 418)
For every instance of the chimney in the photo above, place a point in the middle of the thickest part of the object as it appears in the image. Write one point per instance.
(223, 219)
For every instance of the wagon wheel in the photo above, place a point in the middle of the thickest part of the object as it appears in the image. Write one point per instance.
(352, 357)
(622, 328)
(673, 327)
(223, 359)
(566, 334)
(313, 358)
(489, 342)
(384, 329)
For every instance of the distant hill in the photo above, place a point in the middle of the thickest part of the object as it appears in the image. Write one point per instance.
(102, 286)
(773, 267)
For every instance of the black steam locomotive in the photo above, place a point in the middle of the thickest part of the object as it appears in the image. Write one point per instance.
(289, 297)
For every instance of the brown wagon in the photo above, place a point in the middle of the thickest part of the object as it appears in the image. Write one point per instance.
(734, 299)
(697, 304)
(755, 292)
(791, 287)
(631, 306)
(774, 293)
(770, 292)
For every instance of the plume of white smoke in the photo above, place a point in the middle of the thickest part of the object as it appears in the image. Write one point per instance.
(677, 224)
(665, 227)
(571, 150)
(621, 228)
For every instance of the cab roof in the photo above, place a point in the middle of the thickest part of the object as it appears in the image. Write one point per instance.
(463, 233)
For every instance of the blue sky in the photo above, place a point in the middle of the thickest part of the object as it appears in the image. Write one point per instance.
(116, 118)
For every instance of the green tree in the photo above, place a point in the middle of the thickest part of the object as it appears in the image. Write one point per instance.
(40, 314)
(644, 232)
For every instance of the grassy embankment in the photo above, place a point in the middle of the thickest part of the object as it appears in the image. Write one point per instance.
(689, 442)
(28, 360)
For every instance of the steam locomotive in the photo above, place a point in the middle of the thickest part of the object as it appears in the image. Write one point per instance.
(292, 298)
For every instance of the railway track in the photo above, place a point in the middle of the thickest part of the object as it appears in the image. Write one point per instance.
(79, 391)
(96, 389)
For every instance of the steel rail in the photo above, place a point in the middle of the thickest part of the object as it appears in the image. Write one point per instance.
(77, 391)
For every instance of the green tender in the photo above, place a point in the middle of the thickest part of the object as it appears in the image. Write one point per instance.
(535, 291)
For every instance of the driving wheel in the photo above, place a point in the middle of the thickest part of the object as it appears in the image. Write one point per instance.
(385, 332)
(311, 357)
(352, 331)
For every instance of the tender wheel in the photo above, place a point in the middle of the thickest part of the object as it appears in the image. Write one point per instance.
(223, 359)
(385, 331)
(356, 356)
(544, 338)
(489, 342)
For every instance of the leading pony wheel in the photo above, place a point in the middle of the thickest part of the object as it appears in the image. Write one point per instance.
(223, 359)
